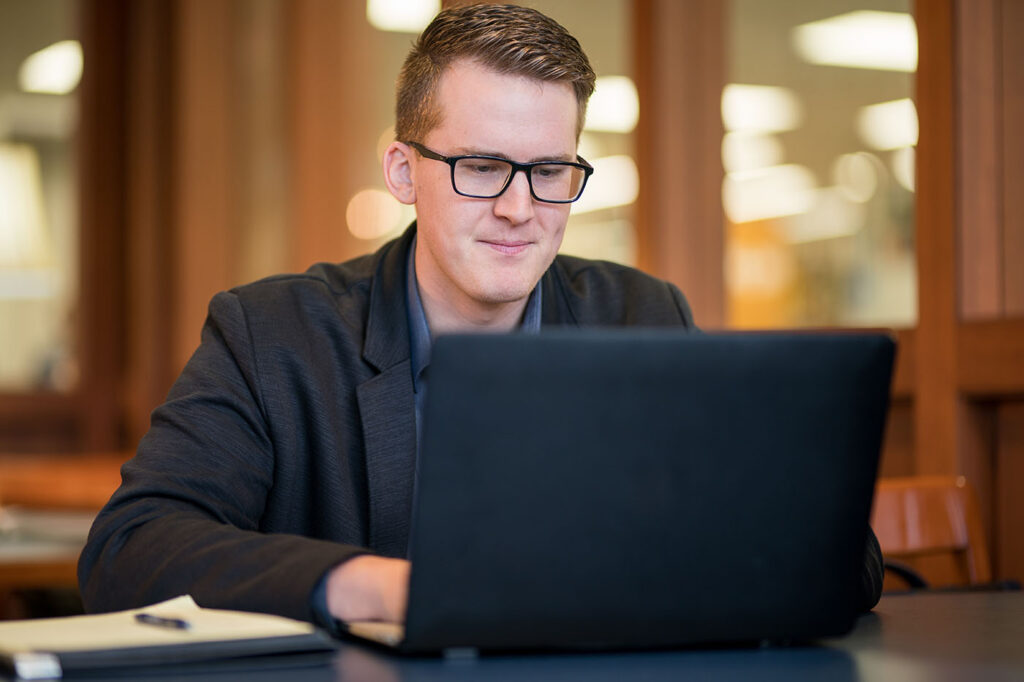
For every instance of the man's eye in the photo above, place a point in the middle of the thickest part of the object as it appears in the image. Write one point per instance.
(550, 172)
(482, 167)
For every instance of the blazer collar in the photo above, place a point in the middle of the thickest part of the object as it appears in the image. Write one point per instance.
(387, 408)
(557, 307)
(387, 327)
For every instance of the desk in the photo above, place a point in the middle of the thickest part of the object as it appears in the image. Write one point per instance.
(966, 636)
(40, 548)
(978, 636)
(47, 503)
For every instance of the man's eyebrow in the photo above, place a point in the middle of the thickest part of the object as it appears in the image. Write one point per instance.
(468, 151)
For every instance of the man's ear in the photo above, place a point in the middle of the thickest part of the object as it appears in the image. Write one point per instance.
(399, 172)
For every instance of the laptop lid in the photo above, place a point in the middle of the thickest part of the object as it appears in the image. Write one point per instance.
(640, 488)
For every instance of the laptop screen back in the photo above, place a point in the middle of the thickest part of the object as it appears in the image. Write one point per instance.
(644, 488)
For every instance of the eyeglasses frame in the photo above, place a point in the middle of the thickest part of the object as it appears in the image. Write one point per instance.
(526, 168)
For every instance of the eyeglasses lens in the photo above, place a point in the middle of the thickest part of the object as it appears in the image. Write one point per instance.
(482, 177)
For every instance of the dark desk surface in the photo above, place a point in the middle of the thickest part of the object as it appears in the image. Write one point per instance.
(977, 636)
(967, 636)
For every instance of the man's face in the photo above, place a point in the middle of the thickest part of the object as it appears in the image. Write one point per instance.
(478, 255)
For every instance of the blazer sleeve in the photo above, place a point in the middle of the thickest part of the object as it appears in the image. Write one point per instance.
(873, 574)
(683, 306)
(187, 516)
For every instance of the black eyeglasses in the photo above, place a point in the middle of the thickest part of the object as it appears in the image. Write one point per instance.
(487, 177)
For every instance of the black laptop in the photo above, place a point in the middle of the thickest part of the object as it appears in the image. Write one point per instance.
(642, 488)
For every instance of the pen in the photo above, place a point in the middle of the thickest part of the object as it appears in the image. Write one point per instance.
(160, 621)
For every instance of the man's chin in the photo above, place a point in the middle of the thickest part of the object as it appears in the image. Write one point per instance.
(506, 293)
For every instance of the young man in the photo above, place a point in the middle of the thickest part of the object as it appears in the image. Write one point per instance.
(278, 476)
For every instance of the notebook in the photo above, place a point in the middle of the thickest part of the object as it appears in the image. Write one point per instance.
(642, 488)
(176, 632)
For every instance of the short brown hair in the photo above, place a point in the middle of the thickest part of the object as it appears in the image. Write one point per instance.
(505, 38)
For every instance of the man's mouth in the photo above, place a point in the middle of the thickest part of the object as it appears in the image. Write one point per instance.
(507, 247)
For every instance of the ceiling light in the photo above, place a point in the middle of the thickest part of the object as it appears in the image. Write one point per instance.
(864, 39)
(902, 164)
(768, 193)
(760, 108)
(888, 125)
(749, 151)
(402, 16)
(614, 107)
(54, 70)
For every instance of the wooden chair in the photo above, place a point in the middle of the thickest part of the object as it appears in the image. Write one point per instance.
(60, 481)
(932, 525)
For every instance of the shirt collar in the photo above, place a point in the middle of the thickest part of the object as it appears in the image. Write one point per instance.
(419, 330)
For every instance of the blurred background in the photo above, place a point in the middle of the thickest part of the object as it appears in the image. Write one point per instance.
(788, 163)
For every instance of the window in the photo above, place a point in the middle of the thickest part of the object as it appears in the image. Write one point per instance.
(40, 66)
(819, 159)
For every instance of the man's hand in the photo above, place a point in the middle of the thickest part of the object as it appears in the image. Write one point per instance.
(369, 588)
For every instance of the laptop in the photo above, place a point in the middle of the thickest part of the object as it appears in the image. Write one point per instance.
(633, 488)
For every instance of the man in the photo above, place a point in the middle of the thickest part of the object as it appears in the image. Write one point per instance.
(278, 476)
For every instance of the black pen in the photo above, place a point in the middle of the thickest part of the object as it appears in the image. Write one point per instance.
(160, 621)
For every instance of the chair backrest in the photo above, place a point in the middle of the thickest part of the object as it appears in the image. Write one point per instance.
(82, 481)
(933, 524)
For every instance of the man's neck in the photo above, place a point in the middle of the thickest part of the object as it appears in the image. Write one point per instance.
(445, 316)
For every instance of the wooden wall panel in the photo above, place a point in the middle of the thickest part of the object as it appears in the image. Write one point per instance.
(980, 158)
(977, 456)
(102, 223)
(262, 140)
(990, 358)
(987, 344)
(1008, 559)
(680, 73)
(1012, 21)
(327, 43)
(936, 405)
(203, 169)
(150, 267)
(898, 446)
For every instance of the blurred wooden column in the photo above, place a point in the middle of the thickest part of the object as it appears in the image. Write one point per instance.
(979, 148)
(969, 345)
(1010, 451)
(937, 407)
(1011, 23)
(150, 264)
(100, 148)
(989, 145)
(206, 188)
(680, 72)
(239, 120)
(328, 44)
(205, 106)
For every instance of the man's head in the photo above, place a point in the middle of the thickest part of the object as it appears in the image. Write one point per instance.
(505, 38)
(487, 81)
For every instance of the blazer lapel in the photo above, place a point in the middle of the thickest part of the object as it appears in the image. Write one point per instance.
(388, 414)
(387, 407)
(556, 304)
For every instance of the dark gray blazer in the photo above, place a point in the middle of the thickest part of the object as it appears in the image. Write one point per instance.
(287, 444)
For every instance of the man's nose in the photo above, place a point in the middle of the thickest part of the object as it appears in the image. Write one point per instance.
(516, 202)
